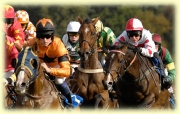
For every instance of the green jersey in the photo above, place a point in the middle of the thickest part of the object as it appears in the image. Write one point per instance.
(107, 37)
(168, 62)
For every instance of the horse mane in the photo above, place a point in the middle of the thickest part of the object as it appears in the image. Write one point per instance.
(122, 46)
(88, 20)
(35, 48)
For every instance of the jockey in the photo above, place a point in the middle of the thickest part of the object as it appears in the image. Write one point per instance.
(11, 52)
(141, 39)
(28, 27)
(106, 37)
(13, 27)
(14, 38)
(71, 41)
(167, 60)
(53, 56)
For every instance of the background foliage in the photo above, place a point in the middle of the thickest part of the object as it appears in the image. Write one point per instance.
(158, 19)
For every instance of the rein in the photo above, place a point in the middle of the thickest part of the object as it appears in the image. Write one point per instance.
(117, 71)
(121, 76)
(92, 50)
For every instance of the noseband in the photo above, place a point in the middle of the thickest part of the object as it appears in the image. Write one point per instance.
(122, 62)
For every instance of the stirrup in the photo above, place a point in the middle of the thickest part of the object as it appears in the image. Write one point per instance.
(172, 101)
(69, 106)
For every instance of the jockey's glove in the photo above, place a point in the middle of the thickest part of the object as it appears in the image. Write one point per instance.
(167, 82)
(7, 81)
(105, 50)
(138, 49)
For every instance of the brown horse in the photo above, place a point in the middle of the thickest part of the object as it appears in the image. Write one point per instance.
(89, 75)
(135, 79)
(35, 88)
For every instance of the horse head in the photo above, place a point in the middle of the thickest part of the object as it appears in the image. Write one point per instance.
(114, 63)
(134, 76)
(118, 62)
(26, 67)
(87, 38)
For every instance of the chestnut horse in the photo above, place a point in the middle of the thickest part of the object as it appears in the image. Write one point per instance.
(35, 88)
(89, 75)
(135, 79)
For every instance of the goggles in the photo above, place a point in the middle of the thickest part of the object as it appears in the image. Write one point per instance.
(73, 34)
(134, 33)
(24, 25)
(47, 36)
(157, 43)
(9, 20)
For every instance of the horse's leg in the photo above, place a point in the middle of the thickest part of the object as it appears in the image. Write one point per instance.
(113, 104)
(148, 101)
(163, 100)
(98, 98)
(105, 98)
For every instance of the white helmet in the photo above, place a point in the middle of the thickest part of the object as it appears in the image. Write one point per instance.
(73, 26)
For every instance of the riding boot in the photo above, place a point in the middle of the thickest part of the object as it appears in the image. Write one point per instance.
(161, 65)
(64, 89)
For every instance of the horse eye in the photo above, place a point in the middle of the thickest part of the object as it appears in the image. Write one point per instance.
(93, 33)
(87, 53)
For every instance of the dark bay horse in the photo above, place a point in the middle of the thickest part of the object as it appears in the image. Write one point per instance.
(89, 75)
(135, 79)
(34, 87)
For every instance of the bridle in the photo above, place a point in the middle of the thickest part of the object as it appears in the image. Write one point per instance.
(24, 64)
(92, 50)
(122, 63)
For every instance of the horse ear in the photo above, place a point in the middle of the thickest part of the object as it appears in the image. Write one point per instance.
(125, 47)
(80, 20)
(14, 62)
(35, 48)
(95, 20)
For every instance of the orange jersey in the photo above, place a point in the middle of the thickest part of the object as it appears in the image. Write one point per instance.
(56, 57)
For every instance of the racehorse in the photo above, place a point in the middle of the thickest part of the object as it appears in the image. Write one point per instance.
(135, 79)
(36, 89)
(89, 75)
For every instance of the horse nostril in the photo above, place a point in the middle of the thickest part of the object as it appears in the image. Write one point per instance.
(23, 87)
(110, 83)
(87, 53)
(23, 84)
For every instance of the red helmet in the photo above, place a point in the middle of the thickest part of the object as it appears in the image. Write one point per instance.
(156, 38)
(8, 11)
(134, 24)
